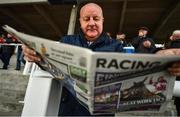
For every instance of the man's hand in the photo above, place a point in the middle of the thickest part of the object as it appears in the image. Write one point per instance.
(147, 44)
(30, 55)
(169, 52)
(174, 69)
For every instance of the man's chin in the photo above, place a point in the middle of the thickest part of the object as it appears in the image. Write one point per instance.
(91, 38)
(92, 35)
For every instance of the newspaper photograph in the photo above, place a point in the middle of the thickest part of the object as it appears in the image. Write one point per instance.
(106, 82)
(147, 92)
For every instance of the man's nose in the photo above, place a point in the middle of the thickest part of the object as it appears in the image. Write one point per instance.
(91, 21)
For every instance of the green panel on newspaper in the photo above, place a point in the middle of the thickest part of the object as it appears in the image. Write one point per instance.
(78, 73)
(82, 87)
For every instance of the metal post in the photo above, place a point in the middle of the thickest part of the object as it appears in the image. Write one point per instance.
(72, 20)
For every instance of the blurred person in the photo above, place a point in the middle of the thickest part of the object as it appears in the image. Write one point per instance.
(142, 43)
(19, 54)
(122, 38)
(2, 40)
(91, 36)
(7, 51)
(174, 40)
(20, 58)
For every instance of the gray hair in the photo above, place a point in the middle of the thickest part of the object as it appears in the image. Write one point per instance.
(176, 32)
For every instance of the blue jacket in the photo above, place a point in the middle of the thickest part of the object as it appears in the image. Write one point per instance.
(69, 105)
(103, 43)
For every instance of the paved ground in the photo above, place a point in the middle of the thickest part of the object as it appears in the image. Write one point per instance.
(12, 89)
(12, 64)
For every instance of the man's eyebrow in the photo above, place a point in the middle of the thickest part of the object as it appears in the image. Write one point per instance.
(91, 16)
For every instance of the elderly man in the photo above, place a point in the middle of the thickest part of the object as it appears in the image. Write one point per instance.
(175, 40)
(91, 36)
(142, 43)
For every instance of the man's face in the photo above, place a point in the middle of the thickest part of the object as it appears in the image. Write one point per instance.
(142, 33)
(175, 37)
(91, 20)
(120, 36)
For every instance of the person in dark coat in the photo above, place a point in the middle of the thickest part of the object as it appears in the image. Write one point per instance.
(121, 37)
(92, 37)
(142, 43)
(7, 51)
(174, 40)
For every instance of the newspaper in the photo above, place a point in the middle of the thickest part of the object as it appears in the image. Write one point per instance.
(106, 82)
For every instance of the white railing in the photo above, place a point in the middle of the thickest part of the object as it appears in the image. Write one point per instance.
(43, 94)
(176, 91)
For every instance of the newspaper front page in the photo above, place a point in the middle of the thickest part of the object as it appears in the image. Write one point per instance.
(106, 82)
(129, 82)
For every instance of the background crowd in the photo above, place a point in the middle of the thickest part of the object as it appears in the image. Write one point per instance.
(8, 45)
(142, 43)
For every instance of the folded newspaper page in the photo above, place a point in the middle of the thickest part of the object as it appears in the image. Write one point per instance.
(106, 82)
